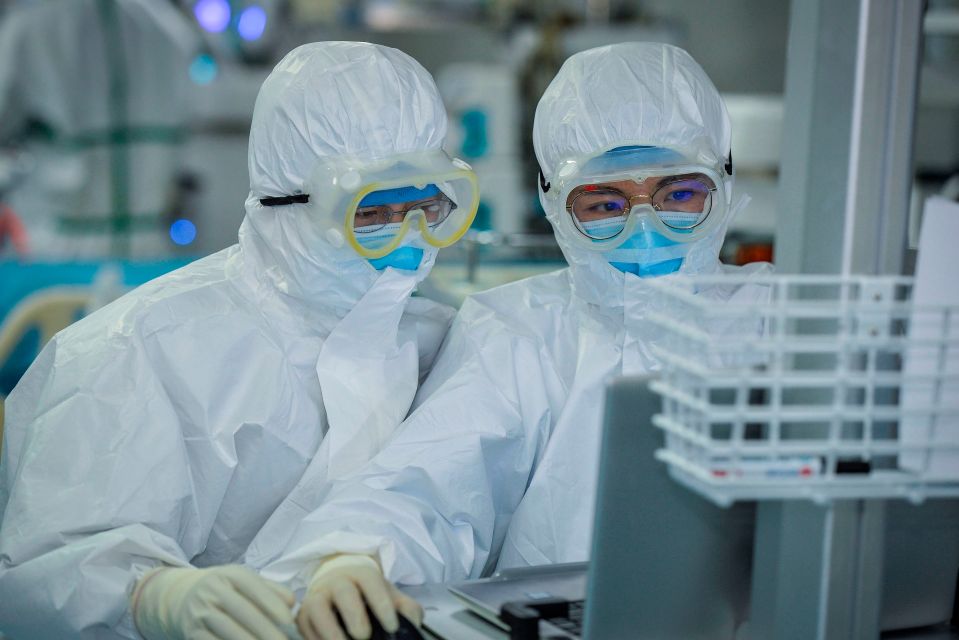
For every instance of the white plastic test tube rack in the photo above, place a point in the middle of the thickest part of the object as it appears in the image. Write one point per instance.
(824, 388)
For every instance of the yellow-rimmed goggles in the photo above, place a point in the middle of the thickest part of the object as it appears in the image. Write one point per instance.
(372, 204)
(440, 206)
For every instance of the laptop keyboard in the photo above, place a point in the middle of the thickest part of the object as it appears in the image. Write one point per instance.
(573, 622)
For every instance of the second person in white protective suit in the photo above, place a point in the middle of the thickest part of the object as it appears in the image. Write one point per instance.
(150, 441)
(496, 465)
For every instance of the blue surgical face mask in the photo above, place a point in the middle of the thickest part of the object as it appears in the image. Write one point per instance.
(404, 257)
(645, 253)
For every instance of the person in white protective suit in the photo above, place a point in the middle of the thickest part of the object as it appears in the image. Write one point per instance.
(496, 465)
(97, 91)
(150, 441)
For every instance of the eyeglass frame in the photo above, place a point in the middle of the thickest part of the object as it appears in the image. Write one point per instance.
(416, 204)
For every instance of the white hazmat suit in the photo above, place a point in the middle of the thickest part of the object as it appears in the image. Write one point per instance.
(167, 426)
(496, 465)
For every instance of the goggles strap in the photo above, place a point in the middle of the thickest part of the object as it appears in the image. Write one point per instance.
(279, 201)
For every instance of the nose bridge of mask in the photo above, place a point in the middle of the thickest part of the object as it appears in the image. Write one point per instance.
(643, 212)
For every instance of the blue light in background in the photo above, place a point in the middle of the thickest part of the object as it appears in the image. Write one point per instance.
(203, 69)
(213, 15)
(182, 232)
(252, 23)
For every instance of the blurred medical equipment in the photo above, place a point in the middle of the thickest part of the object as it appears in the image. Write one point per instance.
(246, 29)
(46, 311)
(105, 281)
(482, 102)
(504, 59)
(855, 378)
(98, 92)
(49, 310)
(13, 233)
(757, 121)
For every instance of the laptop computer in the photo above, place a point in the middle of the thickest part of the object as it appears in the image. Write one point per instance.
(665, 563)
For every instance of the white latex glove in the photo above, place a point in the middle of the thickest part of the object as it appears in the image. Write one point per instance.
(344, 582)
(229, 602)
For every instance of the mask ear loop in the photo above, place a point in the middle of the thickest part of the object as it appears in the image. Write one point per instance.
(280, 201)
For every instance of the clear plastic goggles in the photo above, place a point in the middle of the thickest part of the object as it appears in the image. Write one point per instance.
(386, 199)
(610, 196)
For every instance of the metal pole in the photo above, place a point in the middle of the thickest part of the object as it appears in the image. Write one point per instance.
(846, 175)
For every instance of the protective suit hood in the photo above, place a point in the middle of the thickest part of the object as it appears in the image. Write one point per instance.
(329, 99)
(665, 99)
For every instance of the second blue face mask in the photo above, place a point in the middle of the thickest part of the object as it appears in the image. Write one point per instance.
(406, 258)
(645, 253)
